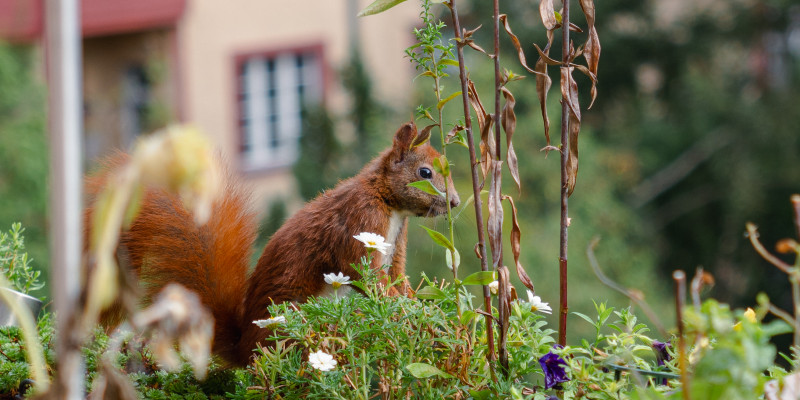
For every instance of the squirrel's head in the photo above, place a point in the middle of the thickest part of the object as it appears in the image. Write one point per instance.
(411, 159)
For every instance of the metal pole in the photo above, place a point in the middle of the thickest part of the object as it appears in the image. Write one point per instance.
(63, 52)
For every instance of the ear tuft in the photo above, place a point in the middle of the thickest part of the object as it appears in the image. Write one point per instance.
(403, 140)
(423, 136)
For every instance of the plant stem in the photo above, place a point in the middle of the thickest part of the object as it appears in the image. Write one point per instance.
(562, 253)
(796, 206)
(438, 90)
(794, 279)
(680, 295)
(503, 311)
(476, 186)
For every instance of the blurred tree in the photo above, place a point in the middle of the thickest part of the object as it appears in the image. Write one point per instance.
(697, 122)
(366, 113)
(270, 223)
(317, 167)
(23, 151)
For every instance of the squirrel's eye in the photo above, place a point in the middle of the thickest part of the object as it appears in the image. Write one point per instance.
(425, 173)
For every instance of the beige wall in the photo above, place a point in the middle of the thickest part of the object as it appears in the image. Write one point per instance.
(211, 33)
(105, 61)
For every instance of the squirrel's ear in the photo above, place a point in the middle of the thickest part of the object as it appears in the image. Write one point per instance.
(403, 140)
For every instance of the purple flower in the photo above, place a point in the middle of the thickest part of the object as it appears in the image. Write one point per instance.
(553, 371)
(662, 355)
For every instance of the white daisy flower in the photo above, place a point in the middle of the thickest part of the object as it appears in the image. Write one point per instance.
(494, 287)
(270, 322)
(537, 304)
(336, 280)
(322, 361)
(373, 241)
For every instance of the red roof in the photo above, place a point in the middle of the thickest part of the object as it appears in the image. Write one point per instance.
(23, 20)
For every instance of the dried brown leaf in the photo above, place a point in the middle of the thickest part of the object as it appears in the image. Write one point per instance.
(591, 51)
(544, 56)
(515, 42)
(516, 236)
(453, 132)
(569, 92)
(588, 9)
(509, 122)
(592, 55)
(504, 306)
(543, 84)
(466, 34)
(548, 14)
(471, 43)
(423, 135)
(575, 28)
(487, 145)
(495, 223)
(485, 122)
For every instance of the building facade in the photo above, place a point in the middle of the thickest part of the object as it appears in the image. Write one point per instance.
(239, 70)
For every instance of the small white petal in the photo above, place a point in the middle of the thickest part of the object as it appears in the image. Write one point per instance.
(339, 278)
(494, 287)
(269, 322)
(322, 361)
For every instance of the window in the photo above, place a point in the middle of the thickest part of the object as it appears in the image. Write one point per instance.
(272, 90)
(136, 88)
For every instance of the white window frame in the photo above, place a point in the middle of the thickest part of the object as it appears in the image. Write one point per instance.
(271, 88)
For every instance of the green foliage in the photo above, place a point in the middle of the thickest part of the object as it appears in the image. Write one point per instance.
(14, 262)
(14, 366)
(272, 221)
(420, 347)
(367, 113)
(316, 168)
(23, 148)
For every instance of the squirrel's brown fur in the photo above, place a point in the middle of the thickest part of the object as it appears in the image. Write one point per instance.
(164, 245)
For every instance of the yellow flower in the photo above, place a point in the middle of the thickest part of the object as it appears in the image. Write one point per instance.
(749, 315)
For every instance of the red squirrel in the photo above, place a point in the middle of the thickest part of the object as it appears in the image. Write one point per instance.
(164, 245)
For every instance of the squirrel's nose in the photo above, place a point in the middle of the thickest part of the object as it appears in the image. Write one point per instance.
(454, 200)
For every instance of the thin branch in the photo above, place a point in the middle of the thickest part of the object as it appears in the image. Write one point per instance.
(476, 186)
(498, 262)
(683, 204)
(796, 205)
(563, 237)
(678, 169)
(752, 234)
(635, 295)
(785, 316)
(680, 296)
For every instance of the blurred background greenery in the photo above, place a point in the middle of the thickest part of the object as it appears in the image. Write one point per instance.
(694, 132)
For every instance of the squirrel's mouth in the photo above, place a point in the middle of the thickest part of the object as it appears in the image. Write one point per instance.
(436, 209)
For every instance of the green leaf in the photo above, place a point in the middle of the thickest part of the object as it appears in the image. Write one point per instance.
(439, 239)
(441, 165)
(427, 187)
(431, 293)
(586, 317)
(444, 164)
(448, 61)
(446, 99)
(379, 6)
(481, 394)
(479, 278)
(359, 285)
(467, 316)
(422, 370)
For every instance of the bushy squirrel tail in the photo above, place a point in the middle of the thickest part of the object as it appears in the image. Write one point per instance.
(164, 245)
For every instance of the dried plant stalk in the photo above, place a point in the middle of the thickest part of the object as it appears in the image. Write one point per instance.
(476, 185)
